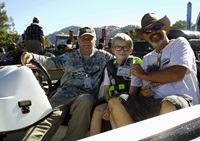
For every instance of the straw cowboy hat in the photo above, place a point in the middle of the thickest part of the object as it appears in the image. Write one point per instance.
(151, 18)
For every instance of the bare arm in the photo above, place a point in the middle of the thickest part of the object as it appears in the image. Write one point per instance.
(168, 75)
(106, 92)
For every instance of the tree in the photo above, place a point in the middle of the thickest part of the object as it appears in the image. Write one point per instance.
(7, 38)
(181, 25)
(47, 42)
(4, 20)
(7, 30)
(133, 35)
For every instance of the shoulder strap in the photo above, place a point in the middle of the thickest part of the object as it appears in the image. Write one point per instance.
(110, 66)
(129, 61)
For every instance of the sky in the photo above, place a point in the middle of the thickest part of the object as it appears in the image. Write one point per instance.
(55, 15)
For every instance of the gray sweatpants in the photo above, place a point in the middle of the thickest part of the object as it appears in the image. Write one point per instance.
(34, 46)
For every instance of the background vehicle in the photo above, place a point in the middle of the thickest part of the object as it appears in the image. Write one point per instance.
(63, 43)
(141, 48)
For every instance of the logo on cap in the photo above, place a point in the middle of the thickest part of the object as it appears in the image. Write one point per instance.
(87, 31)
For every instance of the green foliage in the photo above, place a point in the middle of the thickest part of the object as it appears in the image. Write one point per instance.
(6, 23)
(3, 18)
(7, 32)
(47, 42)
(133, 35)
(181, 25)
(6, 38)
(192, 26)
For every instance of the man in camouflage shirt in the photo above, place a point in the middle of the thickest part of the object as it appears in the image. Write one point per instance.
(79, 86)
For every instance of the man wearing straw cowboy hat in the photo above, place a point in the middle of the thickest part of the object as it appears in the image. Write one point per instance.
(168, 74)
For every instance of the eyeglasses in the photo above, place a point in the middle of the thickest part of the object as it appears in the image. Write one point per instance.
(156, 27)
(119, 48)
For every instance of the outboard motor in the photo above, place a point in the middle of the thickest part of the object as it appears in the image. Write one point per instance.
(22, 100)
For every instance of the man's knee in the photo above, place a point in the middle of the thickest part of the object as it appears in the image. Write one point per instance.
(86, 100)
(167, 107)
(82, 104)
(174, 102)
(179, 101)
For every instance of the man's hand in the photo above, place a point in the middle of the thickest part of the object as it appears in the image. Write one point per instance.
(146, 92)
(137, 70)
(26, 58)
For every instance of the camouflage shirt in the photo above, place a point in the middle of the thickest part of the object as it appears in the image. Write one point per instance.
(76, 68)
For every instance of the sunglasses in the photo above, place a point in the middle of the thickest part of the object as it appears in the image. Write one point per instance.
(119, 48)
(156, 27)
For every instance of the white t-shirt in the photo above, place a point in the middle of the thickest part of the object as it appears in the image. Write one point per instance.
(177, 52)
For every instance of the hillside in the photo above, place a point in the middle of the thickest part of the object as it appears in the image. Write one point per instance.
(110, 31)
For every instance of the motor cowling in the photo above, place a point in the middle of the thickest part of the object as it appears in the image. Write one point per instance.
(22, 100)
